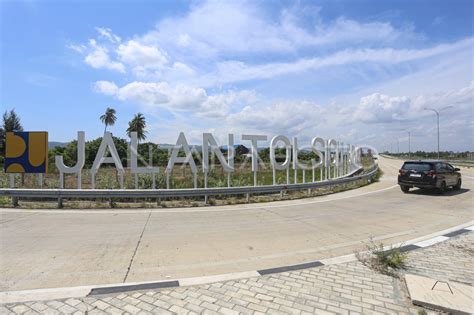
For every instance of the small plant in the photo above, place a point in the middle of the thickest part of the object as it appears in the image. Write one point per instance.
(381, 260)
(422, 312)
(392, 258)
(4, 201)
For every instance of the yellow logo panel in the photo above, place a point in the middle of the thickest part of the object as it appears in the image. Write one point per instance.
(26, 152)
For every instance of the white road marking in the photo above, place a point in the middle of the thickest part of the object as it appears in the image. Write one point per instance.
(432, 241)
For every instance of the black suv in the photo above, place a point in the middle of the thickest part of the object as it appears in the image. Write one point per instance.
(428, 174)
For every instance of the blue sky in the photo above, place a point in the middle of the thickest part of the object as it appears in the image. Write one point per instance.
(358, 71)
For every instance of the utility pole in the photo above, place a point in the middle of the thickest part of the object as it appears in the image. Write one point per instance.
(437, 120)
(398, 146)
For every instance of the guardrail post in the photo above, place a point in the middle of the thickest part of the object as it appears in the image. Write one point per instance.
(247, 197)
(61, 180)
(14, 202)
(281, 194)
(206, 199)
(309, 191)
(12, 180)
(40, 180)
(60, 203)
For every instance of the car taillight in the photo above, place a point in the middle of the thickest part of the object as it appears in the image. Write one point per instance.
(402, 171)
(430, 173)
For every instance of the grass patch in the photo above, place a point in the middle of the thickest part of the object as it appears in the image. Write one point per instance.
(385, 261)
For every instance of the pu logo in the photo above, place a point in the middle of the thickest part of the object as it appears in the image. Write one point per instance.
(26, 152)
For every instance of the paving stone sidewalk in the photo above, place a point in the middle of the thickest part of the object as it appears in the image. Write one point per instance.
(349, 288)
(449, 260)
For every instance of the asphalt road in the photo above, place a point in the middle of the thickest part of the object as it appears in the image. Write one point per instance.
(52, 248)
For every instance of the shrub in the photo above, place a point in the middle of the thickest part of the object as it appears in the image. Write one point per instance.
(383, 261)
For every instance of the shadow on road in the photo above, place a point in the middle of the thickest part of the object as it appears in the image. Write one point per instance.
(435, 192)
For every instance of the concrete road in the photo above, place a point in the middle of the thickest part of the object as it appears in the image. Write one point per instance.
(51, 248)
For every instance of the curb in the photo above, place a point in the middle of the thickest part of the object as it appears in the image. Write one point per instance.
(96, 290)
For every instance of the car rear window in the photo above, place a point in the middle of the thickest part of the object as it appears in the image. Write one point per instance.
(417, 166)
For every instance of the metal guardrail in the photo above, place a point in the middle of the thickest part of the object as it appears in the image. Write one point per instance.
(173, 193)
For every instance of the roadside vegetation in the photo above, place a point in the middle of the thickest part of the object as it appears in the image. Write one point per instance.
(443, 155)
(385, 261)
(158, 155)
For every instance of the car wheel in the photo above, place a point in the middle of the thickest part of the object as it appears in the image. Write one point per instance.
(458, 184)
(405, 189)
(442, 188)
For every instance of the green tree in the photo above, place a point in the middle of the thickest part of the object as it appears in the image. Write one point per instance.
(138, 125)
(108, 118)
(11, 122)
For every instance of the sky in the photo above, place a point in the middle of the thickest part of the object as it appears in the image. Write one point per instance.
(359, 71)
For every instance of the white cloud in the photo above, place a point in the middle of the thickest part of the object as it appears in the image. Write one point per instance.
(220, 105)
(184, 68)
(98, 57)
(143, 56)
(215, 44)
(234, 71)
(77, 48)
(380, 108)
(151, 94)
(105, 87)
(194, 64)
(178, 98)
(107, 34)
(184, 40)
(217, 28)
(288, 117)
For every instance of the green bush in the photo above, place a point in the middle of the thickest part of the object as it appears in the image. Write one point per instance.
(381, 260)
(392, 258)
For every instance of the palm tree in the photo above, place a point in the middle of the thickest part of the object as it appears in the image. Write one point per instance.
(108, 118)
(137, 124)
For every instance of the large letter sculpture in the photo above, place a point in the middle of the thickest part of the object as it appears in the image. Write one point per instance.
(100, 158)
(76, 169)
(181, 143)
(254, 151)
